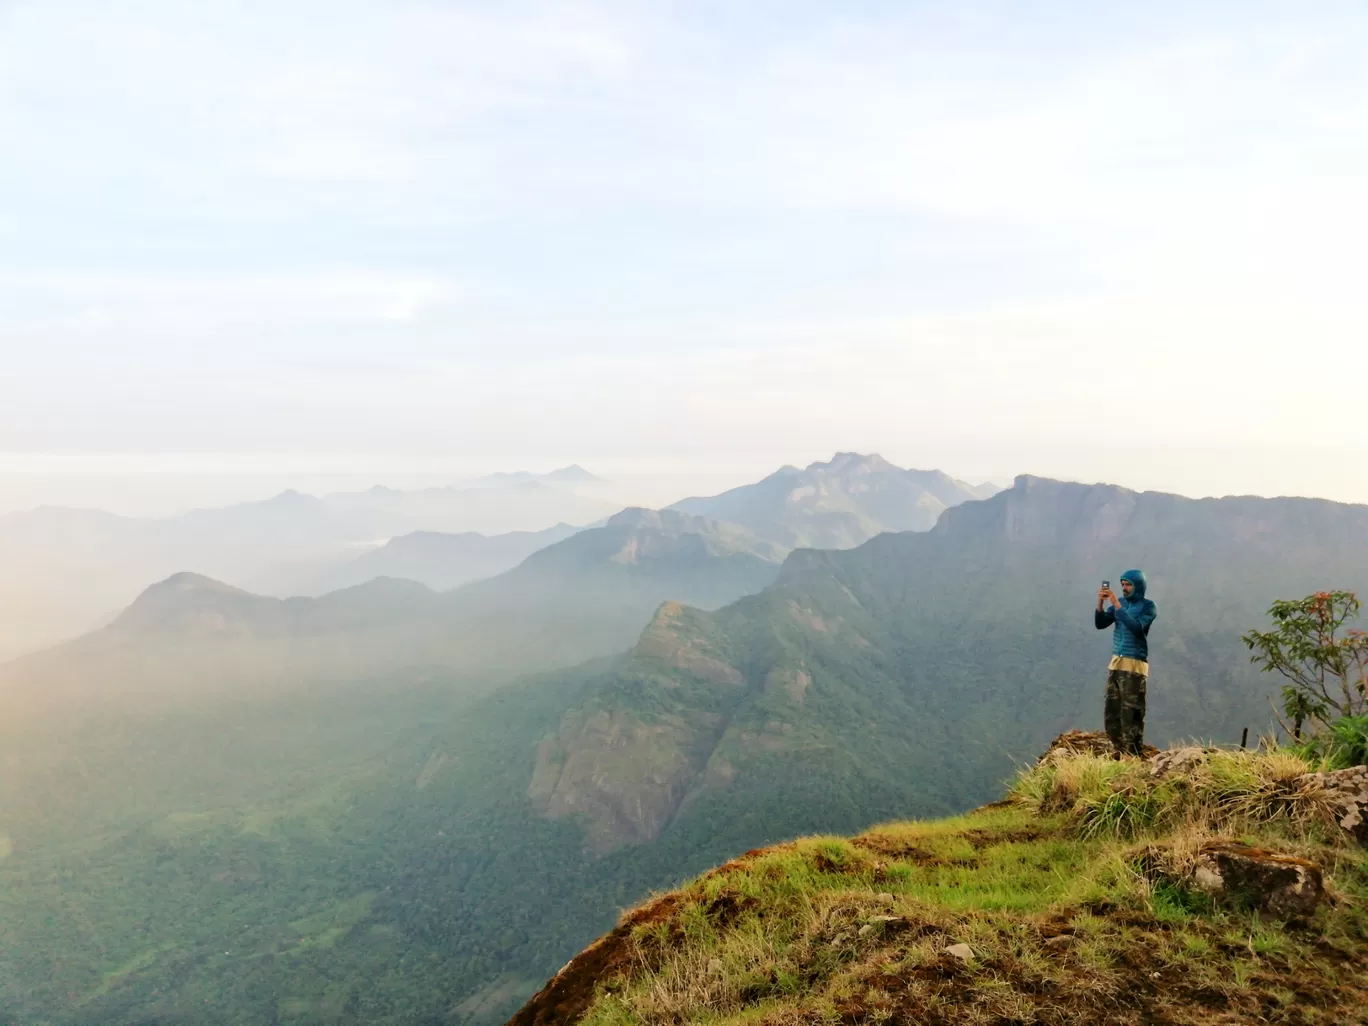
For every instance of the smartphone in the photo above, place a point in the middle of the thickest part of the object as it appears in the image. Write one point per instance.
(1106, 585)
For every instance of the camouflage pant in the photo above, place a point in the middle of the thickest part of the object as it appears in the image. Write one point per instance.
(1124, 715)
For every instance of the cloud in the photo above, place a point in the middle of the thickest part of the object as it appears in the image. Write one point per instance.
(71, 320)
(307, 106)
(768, 223)
(451, 114)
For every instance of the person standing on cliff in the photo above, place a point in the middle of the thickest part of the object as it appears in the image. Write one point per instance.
(1128, 672)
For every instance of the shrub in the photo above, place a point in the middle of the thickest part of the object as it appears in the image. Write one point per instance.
(1343, 743)
(1056, 786)
(1325, 663)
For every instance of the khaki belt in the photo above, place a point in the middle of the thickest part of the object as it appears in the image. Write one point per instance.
(1129, 665)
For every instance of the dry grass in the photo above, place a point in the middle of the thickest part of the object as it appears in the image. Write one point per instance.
(1225, 791)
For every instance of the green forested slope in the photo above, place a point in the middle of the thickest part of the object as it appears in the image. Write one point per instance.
(433, 860)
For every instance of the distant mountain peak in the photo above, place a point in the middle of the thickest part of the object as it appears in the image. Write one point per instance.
(1028, 487)
(855, 462)
(655, 519)
(381, 588)
(188, 581)
(1042, 511)
(574, 472)
(190, 603)
(835, 504)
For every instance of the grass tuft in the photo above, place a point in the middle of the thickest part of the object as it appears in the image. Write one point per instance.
(1224, 791)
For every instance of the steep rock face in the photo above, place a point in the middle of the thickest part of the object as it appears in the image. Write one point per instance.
(673, 725)
(626, 762)
(676, 639)
(623, 775)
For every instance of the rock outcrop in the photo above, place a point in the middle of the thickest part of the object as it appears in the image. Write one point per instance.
(1347, 792)
(1084, 742)
(1177, 760)
(1281, 885)
(623, 775)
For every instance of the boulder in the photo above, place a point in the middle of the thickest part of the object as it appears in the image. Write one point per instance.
(1282, 885)
(961, 951)
(1177, 760)
(887, 924)
(1347, 794)
(1083, 742)
(1077, 742)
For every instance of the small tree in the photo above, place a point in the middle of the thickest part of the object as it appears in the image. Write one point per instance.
(1325, 663)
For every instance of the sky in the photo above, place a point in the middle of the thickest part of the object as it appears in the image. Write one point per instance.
(248, 245)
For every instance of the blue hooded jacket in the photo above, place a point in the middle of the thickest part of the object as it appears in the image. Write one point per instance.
(1132, 618)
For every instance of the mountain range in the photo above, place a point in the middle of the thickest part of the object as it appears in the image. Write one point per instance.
(441, 560)
(965, 646)
(68, 570)
(417, 848)
(587, 595)
(526, 601)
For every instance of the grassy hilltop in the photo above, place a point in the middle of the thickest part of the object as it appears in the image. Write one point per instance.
(1077, 899)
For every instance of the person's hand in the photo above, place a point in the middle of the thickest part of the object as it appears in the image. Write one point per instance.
(1110, 596)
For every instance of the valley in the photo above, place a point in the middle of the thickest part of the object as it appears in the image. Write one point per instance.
(453, 829)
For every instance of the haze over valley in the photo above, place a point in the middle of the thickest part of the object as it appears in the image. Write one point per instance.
(471, 751)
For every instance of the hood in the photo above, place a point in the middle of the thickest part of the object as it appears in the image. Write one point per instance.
(1137, 578)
